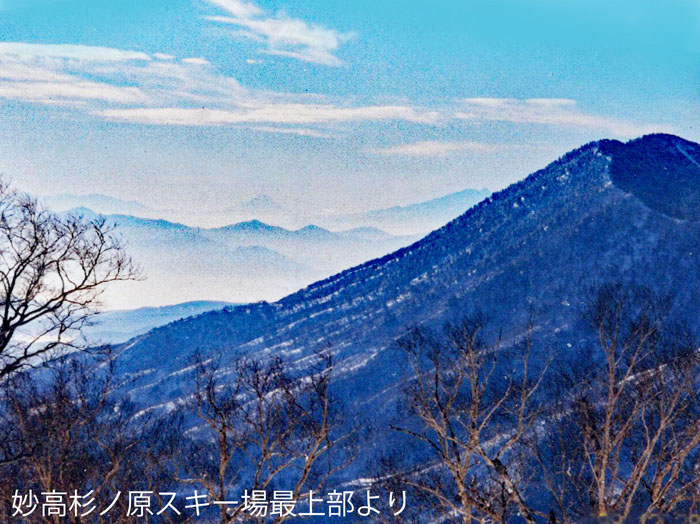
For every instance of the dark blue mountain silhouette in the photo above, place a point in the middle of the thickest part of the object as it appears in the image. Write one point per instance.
(663, 172)
(606, 211)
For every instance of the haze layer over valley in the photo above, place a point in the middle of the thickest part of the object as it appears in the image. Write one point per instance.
(251, 260)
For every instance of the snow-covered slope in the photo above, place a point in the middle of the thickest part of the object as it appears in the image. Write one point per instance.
(536, 246)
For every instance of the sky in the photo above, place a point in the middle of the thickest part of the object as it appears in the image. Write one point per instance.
(328, 105)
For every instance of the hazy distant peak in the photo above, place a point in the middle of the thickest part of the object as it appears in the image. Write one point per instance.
(253, 226)
(312, 229)
(369, 233)
(262, 203)
(258, 226)
(83, 212)
(99, 203)
(438, 202)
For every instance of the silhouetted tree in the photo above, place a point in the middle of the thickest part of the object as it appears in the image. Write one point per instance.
(52, 271)
(627, 437)
(471, 405)
(261, 427)
(69, 434)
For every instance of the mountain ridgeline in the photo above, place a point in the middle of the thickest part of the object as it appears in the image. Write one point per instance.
(607, 211)
(243, 262)
(665, 178)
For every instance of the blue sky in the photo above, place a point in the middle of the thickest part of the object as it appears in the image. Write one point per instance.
(193, 104)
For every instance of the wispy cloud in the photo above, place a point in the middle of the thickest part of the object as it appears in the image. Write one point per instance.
(557, 112)
(75, 91)
(30, 79)
(158, 89)
(299, 131)
(544, 111)
(435, 148)
(70, 51)
(196, 61)
(268, 112)
(76, 74)
(283, 35)
(238, 8)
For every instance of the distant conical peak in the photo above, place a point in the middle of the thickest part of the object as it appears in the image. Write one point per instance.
(263, 201)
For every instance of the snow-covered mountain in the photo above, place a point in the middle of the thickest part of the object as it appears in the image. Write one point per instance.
(534, 247)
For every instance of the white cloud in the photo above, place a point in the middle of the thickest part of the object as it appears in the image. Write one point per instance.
(36, 78)
(299, 131)
(309, 55)
(545, 111)
(435, 148)
(70, 51)
(14, 70)
(65, 91)
(196, 61)
(283, 35)
(262, 112)
(238, 8)
(30, 80)
(131, 86)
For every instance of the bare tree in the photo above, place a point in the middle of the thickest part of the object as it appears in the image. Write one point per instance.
(69, 435)
(264, 427)
(471, 406)
(52, 271)
(628, 437)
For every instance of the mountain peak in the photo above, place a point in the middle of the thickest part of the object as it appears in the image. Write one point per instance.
(312, 228)
(660, 139)
(661, 170)
(263, 203)
(253, 225)
(534, 246)
(99, 203)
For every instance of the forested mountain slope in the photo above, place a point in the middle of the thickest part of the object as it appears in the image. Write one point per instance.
(536, 246)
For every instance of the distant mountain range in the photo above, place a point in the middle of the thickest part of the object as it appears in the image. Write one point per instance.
(243, 262)
(534, 247)
(414, 219)
(98, 203)
(251, 260)
(113, 327)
